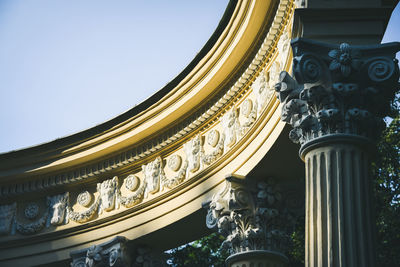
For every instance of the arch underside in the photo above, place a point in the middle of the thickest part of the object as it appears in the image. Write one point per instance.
(146, 174)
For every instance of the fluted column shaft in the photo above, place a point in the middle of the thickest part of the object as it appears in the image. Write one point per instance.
(339, 229)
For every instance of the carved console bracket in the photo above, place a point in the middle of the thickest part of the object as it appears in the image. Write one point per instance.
(254, 219)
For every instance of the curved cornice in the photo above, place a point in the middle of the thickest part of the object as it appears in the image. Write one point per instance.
(170, 157)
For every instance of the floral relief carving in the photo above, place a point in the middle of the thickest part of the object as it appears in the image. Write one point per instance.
(58, 209)
(84, 198)
(7, 216)
(84, 216)
(175, 162)
(132, 183)
(31, 212)
(213, 137)
(231, 126)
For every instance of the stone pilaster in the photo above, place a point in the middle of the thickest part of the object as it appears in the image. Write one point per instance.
(254, 221)
(335, 105)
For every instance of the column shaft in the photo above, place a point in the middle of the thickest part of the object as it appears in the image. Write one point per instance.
(338, 207)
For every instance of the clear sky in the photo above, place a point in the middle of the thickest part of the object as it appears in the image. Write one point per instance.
(68, 65)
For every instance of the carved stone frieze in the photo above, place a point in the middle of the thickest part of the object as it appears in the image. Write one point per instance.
(84, 198)
(231, 126)
(58, 209)
(153, 174)
(7, 217)
(338, 90)
(193, 150)
(175, 162)
(262, 91)
(108, 191)
(84, 216)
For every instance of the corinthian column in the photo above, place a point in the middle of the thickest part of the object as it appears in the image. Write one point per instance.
(255, 221)
(335, 105)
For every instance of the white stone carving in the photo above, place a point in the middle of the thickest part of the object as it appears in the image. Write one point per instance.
(262, 92)
(231, 126)
(31, 210)
(131, 182)
(283, 48)
(7, 214)
(193, 150)
(175, 162)
(170, 183)
(108, 190)
(216, 153)
(246, 107)
(84, 216)
(274, 72)
(249, 111)
(213, 138)
(84, 198)
(58, 209)
(153, 174)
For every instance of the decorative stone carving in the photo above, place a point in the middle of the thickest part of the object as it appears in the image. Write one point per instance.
(213, 137)
(283, 48)
(31, 210)
(231, 126)
(337, 90)
(137, 196)
(262, 92)
(132, 182)
(108, 191)
(33, 227)
(172, 182)
(110, 254)
(175, 162)
(250, 221)
(58, 209)
(216, 153)
(84, 198)
(335, 105)
(255, 221)
(153, 173)
(7, 216)
(249, 111)
(273, 74)
(86, 215)
(193, 150)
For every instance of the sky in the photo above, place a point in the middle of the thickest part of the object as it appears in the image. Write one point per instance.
(66, 66)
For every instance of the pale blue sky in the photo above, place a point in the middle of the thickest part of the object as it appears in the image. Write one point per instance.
(68, 65)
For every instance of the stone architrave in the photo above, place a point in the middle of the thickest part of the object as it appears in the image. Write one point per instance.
(335, 104)
(254, 221)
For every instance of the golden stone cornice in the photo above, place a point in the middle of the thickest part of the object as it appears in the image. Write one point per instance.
(224, 83)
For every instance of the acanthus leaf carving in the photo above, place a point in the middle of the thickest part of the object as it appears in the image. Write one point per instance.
(338, 90)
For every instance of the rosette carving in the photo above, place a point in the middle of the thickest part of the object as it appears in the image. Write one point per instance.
(31, 212)
(84, 216)
(338, 90)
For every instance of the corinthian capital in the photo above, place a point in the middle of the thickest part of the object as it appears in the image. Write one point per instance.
(251, 217)
(338, 90)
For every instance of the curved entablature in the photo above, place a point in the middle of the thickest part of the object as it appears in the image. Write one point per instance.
(159, 165)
